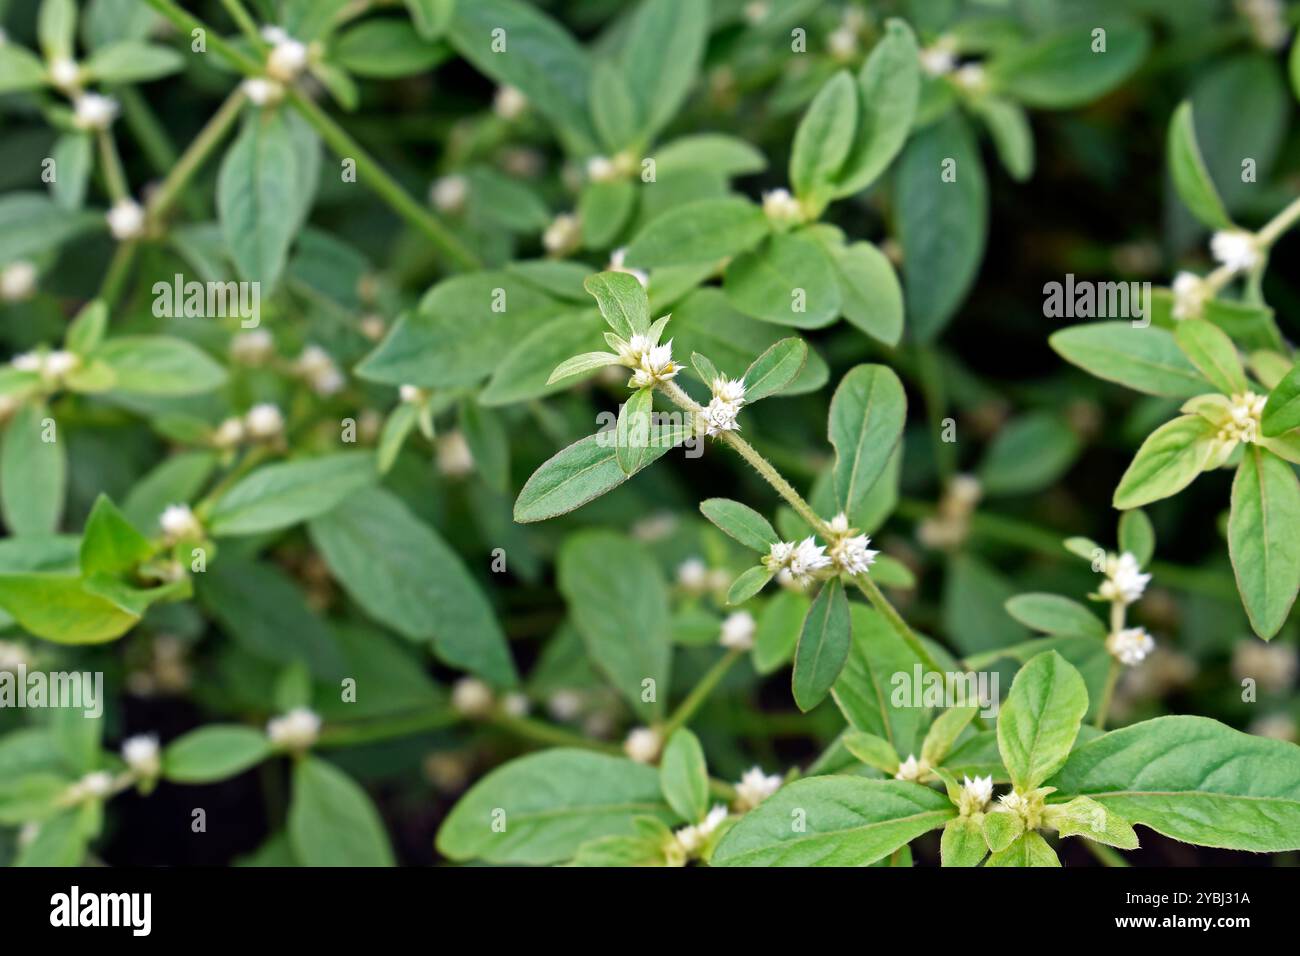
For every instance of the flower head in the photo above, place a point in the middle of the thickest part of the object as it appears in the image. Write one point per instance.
(262, 92)
(178, 523)
(295, 730)
(808, 558)
(126, 220)
(1190, 294)
(1235, 248)
(691, 838)
(287, 59)
(729, 390)
(229, 433)
(1243, 421)
(719, 416)
(642, 744)
(17, 281)
(95, 785)
(1131, 645)
(852, 555)
(65, 74)
(471, 697)
(509, 103)
(781, 207)
(755, 787)
(650, 362)
(449, 193)
(738, 631)
(1125, 581)
(975, 794)
(141, 754)
(455, 460)
(252, 348)
(939, 57)
(970, 77)
(563, 235)
(93, 111)
(912, 769)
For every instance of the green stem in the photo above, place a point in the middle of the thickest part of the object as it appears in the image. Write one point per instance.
(1107, 855)
(541, 732)
(370, 731)
(1279, 224)
(700, 693)
(245, 23)
(207, 140)
(187, 23)
(114, 177)
(930, 376)
(1108, 692)
(119, 270)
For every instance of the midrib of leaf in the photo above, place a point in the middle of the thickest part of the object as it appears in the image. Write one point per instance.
(862, 431)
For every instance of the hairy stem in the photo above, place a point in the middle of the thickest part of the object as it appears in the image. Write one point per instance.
(1108, 692)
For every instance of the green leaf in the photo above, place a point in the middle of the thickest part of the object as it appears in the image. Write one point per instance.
(870, 296)
(872, 750)
(259, 196)
(546, 804)
(618, 601)
(944, 732)
(614, 109)
(715, 152)
(748, 584)
(431, 17)
(1213, 354)
(1193, 779)
(215, 752)
(1191, 178)
(33, 472)
(823, 138)
(775, 369)
(962, 843)
(1085, 817)
(684, 776)
(74, 159)
(1065, 69)
(32, 223)
(777, 633)
(581, 365)
(740, 522)
(1167, 462)
(489, 444)
(867, 414)
(19, 70)
(1008, 126)
(1146, 360)
(823, 646)
(283, 494)
(702, 231)
(634, 438)
(1028, 849)
(64, 608)
(661, 58)
(159, 365)
(1282, 411)
(942, 205)
(1136, 536)
(788, 280)
(1053, 614)
(1262, 538)
(870, 683)
(1028, 454)
(622, 301)
(131, 61)
(540, 58)
(331, 820)
(845, 821)
(111, 545)
(604, 208)
(1040, 718)
(585, 470)
(404, 575)
(386, 49)
(889, 85)
(60, 841)
(56, 28)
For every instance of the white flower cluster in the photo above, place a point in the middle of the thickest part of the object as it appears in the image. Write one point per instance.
(318, 368)
(1267, 19)
(692, 838)
(455, 460)
(142, 755)
(975, 795)
(53, 367)
(912, 769)
(1191, 292)
(949, 525)
(939, 57)
(738, 631)
(95, 785)
(1125, 581)
(755, 787)
(449, 194)
(288, 57)
(262, 91)
(849, 551)
(13, 657)
(471, 697)
(295, 730)
(179, 523)
(91, 111)
(1236, 248)
(1131, 645)
(17, 281)
(509, 103)
(782, 208)
(126, 220)
(65, 74)
(650, 362)
(563, 235)
(801, 561)
(643, 744)
(721, 412)
(1243, 419)
(263, 422)
(252, 348)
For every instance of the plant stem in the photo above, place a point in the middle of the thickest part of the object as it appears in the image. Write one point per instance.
(1279, 224)
(699, 693)
(196, 154)
(1107, 855)
(114, 177)
(541, 732)
(187, 23)
(1108, 692)
(119, 268)
(369, 731)
(245, 23)
(930, 376)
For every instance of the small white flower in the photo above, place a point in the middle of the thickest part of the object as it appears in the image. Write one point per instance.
(1273, 666)
(693, 574)
(17, 281)
(264, 421)
(141, 755)
(912, 769)
(274, 35)
(97, 784)
(412, 394)
(691, 838)
(601, 169)
(27, 362)
(1267, 19)
(650, 361)
(509, 103)
(755, 787)
(65, 74)
(975, 794)
(94, 112)
(373, 327)
(562, 235)
(295, 730)
(970, 77)
(964, 491)
(252, 348)
(516, 704)
(781, 207)
(778, 555)
(940, 57)
(126, 220)
(1244, 415)
(1235, 248)
(287, 59)
(58, 364)
(178, 523)
(565, 705)
(454, 457)
(229, 433)
(449, 193)
(1125, 581)
(808, 558)
(1190, 295)
(738, 631)
(852, 554)
(471, 697)
(616, 259)
(1015, 803)
(720, 416)
(262, 92)
(840, 523)
(842, 43)
(643, 744)
(1131, 645)
(729, 389)
(318, 368)
(13, 657)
